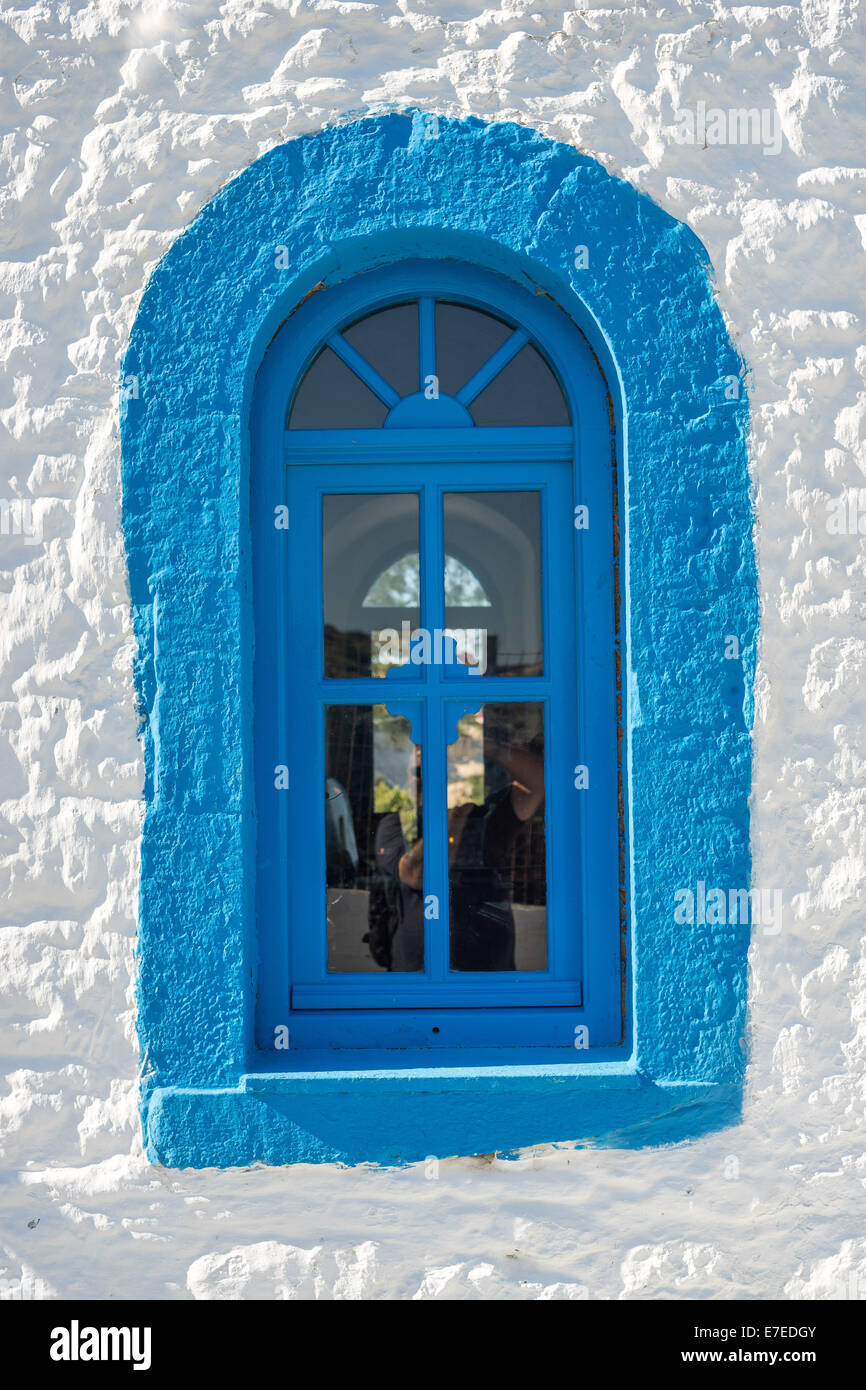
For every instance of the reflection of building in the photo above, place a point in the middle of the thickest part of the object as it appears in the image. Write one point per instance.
(347, 650)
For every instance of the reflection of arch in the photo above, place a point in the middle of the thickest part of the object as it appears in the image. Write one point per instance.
(376, 536)
(505, 555)
(405, 571)
(500, 550)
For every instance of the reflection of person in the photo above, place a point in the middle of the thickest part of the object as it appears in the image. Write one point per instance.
(404, 899)
(480, 843)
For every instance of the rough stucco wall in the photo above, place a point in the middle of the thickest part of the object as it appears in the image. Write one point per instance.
(124, 122)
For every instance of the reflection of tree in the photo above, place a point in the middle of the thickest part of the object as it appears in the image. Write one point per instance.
(396, 726)
(465, 762)
(389, 798)
(398, 586)
(462, 588)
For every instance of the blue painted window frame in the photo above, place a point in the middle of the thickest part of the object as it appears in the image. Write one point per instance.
(322, 210)
(584, 986)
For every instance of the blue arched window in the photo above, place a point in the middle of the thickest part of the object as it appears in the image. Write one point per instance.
(366, 394)
(435, 682)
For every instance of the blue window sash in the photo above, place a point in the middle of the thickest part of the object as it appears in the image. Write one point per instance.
(427, 695)
(583, 984)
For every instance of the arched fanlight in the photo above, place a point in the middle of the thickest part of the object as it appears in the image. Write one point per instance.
(428, 363)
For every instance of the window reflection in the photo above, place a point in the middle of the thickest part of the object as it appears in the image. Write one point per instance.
(496, 840)
(375, 842)
(374, 869)
(365, 606)
(496, 537)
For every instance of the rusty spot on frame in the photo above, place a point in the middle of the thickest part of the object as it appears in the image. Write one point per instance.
(296, 307)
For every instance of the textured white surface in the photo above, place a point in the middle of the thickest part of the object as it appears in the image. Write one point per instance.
(119, 122)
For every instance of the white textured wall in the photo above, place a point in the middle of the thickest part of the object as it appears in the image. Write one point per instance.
(123, 120)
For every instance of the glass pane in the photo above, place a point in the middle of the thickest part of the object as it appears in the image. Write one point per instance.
(495, 538)
(465, 338)
(496, 840)
(371, 581)
(388, 339)
(524, 393)
(331, 397)
(375, 903)
(399, 584)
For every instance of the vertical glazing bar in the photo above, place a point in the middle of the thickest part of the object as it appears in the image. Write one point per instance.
(426, 341)
(435, 777)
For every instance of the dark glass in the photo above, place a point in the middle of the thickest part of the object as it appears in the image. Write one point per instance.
(371, 581)
(388, 339)
(465, 339)
(496, 840)
(331, 397)
(374, 869)
(525, 392)
(495, 539)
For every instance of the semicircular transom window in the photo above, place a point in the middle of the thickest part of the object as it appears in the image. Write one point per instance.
(428, 363)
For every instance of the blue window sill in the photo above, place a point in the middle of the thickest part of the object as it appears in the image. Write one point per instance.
(365, 1108)
(466, 1069)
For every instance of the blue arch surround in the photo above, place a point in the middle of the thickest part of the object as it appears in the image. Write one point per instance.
(504, 198)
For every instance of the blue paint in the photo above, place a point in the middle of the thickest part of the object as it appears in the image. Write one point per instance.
(430, 687)
(582, 987)
(503, 198)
